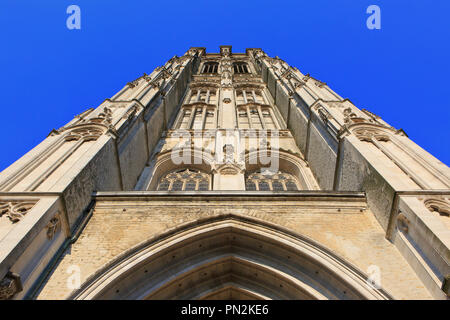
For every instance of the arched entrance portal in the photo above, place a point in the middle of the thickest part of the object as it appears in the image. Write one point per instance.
(228, 257)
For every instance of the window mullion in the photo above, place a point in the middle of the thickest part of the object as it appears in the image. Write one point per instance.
(249, 118)
(261, 118)
(244, 95)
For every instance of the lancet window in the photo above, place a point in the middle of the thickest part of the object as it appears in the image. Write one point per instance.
(203, 95)
(248, 96)
(197, 117)
(240, 67)
(256, 117)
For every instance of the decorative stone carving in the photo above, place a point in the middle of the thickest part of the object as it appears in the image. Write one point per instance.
(155, 84)
(133, 83)
(324, 114)
(15, 210)
(441, 206)
(53, 226)
(229, 169)
(446, 285)
(173, 59)
(371, 114)
(228, 151)
(226, 65)
(320, 84)
(192, 52)
(9, 286)
(86, 133)
(350, 117)
(166, 73)
(368, 134)
(130, 112)
(106, 115)
(226, 100)
(402, 223)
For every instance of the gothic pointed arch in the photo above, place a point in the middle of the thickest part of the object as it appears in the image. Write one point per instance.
(288, 163)
(173, 161)
(229, 252)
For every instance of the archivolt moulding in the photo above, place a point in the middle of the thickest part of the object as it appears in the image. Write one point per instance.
(199, 159)
(204, 257)
(287, 162)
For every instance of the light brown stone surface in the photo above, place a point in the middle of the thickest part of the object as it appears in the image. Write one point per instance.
(119, 225)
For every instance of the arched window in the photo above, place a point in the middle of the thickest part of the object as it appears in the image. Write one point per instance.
(240, 67)
(269, 181)
(185, 180)
(210, 67)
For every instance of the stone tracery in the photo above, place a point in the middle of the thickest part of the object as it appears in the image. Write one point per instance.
(185, 180)
(269, 181)
(15, 210)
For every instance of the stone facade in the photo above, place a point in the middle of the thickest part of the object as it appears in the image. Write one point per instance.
(225, 175)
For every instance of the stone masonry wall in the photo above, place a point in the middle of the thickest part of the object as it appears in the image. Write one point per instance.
(121, 224)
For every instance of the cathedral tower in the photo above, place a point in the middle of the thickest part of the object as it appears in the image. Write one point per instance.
(225, 176)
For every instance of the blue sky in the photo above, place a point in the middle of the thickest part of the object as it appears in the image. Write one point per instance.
(50, 73)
